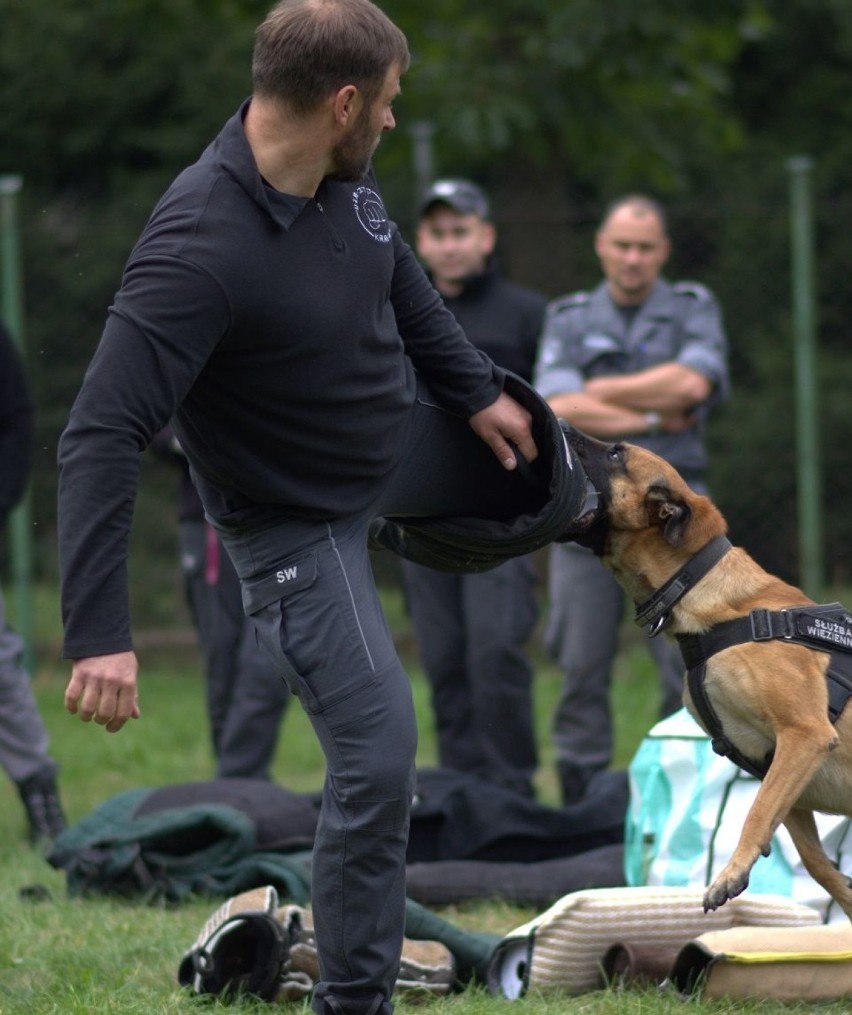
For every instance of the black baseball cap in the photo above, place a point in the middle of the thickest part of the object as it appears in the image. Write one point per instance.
(462, 196)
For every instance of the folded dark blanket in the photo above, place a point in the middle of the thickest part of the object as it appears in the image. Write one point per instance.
(538, 884)
(459, 817)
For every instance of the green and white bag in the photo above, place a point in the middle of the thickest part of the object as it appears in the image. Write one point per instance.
(686, 812)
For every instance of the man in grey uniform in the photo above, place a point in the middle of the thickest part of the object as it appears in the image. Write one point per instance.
(24, 739)
(638, 359)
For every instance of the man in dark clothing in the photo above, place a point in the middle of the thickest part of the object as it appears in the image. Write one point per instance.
(246, 698)
(316, 382)
(24, 740)
(472, 629)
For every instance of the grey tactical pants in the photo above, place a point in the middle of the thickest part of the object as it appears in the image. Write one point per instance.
(309, 586)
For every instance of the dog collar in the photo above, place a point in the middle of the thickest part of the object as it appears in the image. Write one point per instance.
(656, 611)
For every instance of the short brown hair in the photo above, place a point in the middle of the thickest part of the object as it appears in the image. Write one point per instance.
(638, 202)
(306, 49)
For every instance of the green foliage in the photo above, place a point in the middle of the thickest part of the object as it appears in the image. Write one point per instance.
(127, 90)
(792, 90)
(104, 102)
(605, 89)
(555, 107)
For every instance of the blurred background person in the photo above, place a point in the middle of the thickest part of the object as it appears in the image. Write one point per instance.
(246, 700)
(24, 740)
(638, 359)
(472, 629)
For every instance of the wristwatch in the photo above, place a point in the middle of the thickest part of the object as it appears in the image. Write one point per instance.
(654, 420)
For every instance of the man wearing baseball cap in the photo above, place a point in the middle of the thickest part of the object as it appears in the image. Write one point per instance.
(472, 628)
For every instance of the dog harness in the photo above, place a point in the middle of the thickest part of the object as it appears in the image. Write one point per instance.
(826, 628)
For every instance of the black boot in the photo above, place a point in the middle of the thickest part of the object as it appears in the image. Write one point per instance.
(45, 817)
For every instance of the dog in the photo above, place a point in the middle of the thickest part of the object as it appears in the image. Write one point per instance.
(768, 699)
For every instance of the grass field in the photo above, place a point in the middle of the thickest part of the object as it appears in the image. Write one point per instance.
(97, 956)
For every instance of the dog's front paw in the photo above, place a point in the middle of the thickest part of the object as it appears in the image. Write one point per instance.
(726, 886)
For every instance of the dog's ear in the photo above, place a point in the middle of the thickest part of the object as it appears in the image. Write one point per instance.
(671, 512)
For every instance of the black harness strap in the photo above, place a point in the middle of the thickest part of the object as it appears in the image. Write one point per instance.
(718, 741)
(826, 628)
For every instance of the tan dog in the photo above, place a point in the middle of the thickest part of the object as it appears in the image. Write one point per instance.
(769, 696)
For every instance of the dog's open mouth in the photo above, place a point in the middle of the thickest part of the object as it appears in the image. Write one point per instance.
(589, 530)
(586, 520)
(590, 519)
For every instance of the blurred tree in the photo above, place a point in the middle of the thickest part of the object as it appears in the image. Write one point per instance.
(554, 106)
(602, 92)
(104, 101)
(791, 91)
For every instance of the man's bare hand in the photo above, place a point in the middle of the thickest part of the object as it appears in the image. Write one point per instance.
(103, 688)
(503, 421)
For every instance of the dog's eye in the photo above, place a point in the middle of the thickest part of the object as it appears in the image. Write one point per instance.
(614, 453)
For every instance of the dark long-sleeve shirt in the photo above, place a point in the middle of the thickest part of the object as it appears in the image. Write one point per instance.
(502, 319)
(282, 334)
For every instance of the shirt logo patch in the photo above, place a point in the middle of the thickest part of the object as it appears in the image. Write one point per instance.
(287, 574)
(371, 213)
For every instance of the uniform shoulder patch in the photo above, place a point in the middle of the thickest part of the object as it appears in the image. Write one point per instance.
(694, 289)
(577, 299)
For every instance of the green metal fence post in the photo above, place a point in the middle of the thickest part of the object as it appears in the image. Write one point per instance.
(423, 157)
(808, 470)
(11, 288)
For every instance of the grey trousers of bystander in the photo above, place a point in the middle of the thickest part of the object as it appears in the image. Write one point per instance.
(472, 632)
(246, 697)
(586, 610)
(24, 740)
